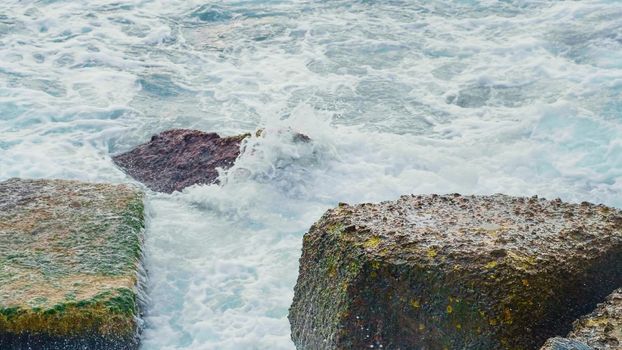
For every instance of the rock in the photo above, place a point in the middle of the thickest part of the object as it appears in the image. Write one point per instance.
(176, 159)
(296, 137)
(69, 265)
(600, 330)
(453, 272)
(558, 343)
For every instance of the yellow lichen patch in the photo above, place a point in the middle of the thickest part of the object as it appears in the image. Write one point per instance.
(491, 265)
(372, 242)
(432, 253)
(450, 309)
(596, 322)
(520, 261)
(458, 326)
(415, 304)
(335, 229)
(421, 327)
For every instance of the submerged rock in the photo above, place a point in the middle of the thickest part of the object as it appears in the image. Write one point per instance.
(176, 159)
(453, 272)
(600, 330)
(69, 265)
(296, 137)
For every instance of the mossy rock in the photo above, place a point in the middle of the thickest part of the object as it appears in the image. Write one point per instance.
(453, 272)
(599, 330)
(70, 256)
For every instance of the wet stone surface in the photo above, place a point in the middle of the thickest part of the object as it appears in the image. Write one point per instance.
(453, 272)
(176, 159)
(70, 262)
(599, 330)
(558, 343)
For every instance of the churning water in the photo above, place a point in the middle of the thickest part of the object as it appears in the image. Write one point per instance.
(418, 96)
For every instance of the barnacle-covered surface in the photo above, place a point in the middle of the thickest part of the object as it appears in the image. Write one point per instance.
(599, 330)
(453, 272)
(70, 256)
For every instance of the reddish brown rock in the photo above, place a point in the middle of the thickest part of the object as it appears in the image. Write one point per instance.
(176, 159)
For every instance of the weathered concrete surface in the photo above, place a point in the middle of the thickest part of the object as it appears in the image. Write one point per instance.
(453, 272)
(176, 159)
(69, 263)
(600, 330)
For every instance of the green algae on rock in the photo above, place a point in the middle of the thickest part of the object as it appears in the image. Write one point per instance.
(70, 259)
(599, 330)
(453, 272)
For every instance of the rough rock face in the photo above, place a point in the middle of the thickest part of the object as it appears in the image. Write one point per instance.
(69, 264)
(600, 330)
(179, 158)
(453, 272)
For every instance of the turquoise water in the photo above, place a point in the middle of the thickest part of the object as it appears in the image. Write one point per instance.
(520, 97)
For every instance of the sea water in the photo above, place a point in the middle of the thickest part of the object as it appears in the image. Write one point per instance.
(471, 96)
